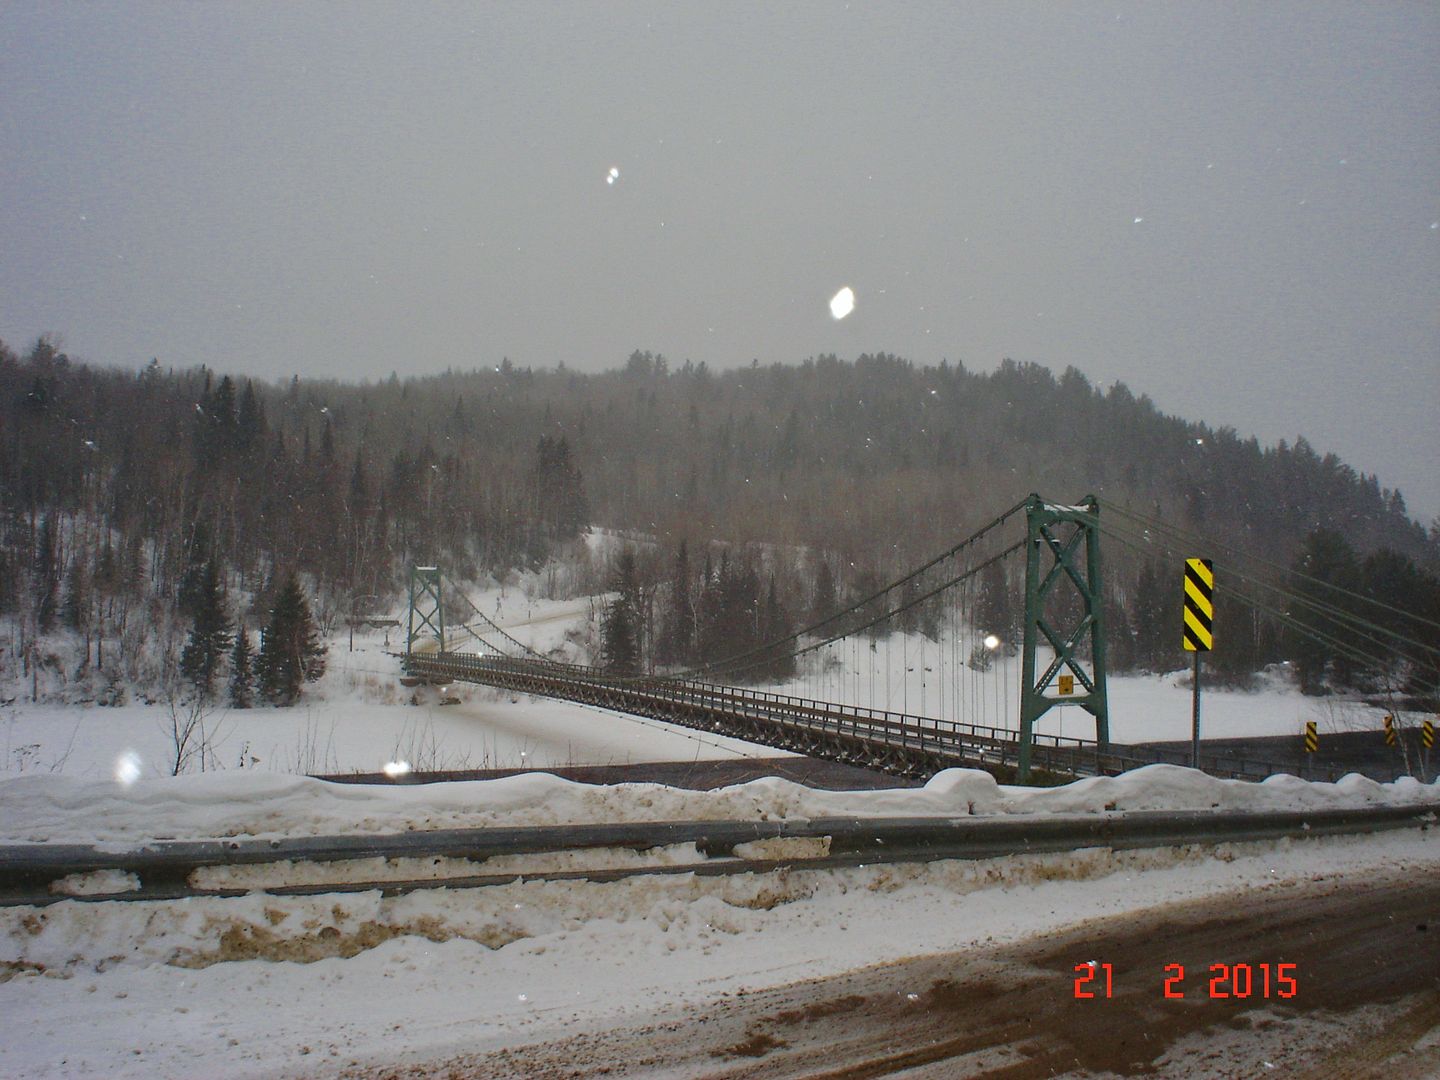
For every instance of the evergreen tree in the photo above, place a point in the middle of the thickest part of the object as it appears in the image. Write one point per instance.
(77, 597)
(358, 501)
(620, 638)
(1326, 561)
(290, 649)
(994, 608)
(1156, 616)
(190, 597)
(676, 643)
(1119, 633)
(47, 577)
(242, 673)
(823, 599)
(620, 627)
(775, 625)
(730, 612)
(210, 635)
(249, 420)
(559, 491)
(216, 431)
(1237, 653)
(107, 570)
(223, 418)
(9, 583)
(1390, 578)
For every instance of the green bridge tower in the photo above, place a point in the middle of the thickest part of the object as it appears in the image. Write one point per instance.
(1070, 536)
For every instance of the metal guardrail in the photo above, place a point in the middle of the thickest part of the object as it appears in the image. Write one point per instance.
(904, 743)
(33, 874)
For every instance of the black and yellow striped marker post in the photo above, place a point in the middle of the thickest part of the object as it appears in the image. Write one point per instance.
(1389, 730)
(1199, 605)
(1312, 737)
(1427, 734)
(1199, 634)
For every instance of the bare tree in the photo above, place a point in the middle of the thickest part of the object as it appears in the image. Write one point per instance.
(192, 731)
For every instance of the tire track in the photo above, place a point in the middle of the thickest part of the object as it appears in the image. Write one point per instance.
(1367, 956)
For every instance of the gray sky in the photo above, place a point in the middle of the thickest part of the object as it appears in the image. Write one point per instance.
(1234, 208)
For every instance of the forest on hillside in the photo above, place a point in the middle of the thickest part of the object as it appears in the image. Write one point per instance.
(824, 477)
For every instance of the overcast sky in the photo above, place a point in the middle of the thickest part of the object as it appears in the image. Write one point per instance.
(1234, 208)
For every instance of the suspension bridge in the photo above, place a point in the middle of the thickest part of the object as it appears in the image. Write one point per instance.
(940, 667)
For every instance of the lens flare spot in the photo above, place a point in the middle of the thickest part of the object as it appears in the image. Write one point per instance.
(992, 642)
(612, 175)
(842, 303)
(127, 768)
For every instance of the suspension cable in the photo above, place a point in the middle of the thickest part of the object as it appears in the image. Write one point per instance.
(858, 604)
(1341, 646)
(493, 626)
(1161, 526)
(1356, 625)
(778, 657)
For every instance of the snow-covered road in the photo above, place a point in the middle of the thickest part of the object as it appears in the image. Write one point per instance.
(1335, 975)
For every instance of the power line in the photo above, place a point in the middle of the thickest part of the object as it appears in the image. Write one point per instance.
(1342, 646)
(1158, 525)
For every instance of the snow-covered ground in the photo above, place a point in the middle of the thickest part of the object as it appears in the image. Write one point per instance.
(264, 986)
(486, 730)
(359, 718)
(44, 808)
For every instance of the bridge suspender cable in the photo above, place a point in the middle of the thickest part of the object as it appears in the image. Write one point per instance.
(1297, 603)
(1355, 625)
(1195, 541)
(769, 656)
(973, 538)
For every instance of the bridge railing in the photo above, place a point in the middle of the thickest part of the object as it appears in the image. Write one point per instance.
(919, 737)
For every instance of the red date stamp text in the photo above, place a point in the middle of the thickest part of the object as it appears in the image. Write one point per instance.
(1096, 980)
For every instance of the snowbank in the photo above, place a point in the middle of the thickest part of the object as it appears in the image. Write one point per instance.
(41, 808)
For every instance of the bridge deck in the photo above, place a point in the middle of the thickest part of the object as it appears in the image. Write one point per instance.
(898, 743)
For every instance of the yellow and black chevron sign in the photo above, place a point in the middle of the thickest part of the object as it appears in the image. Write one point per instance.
(1312, 737)
(1389, 730)
(1199, 605)
(1427, 734)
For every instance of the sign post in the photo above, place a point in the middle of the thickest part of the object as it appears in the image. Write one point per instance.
(1199, 634)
